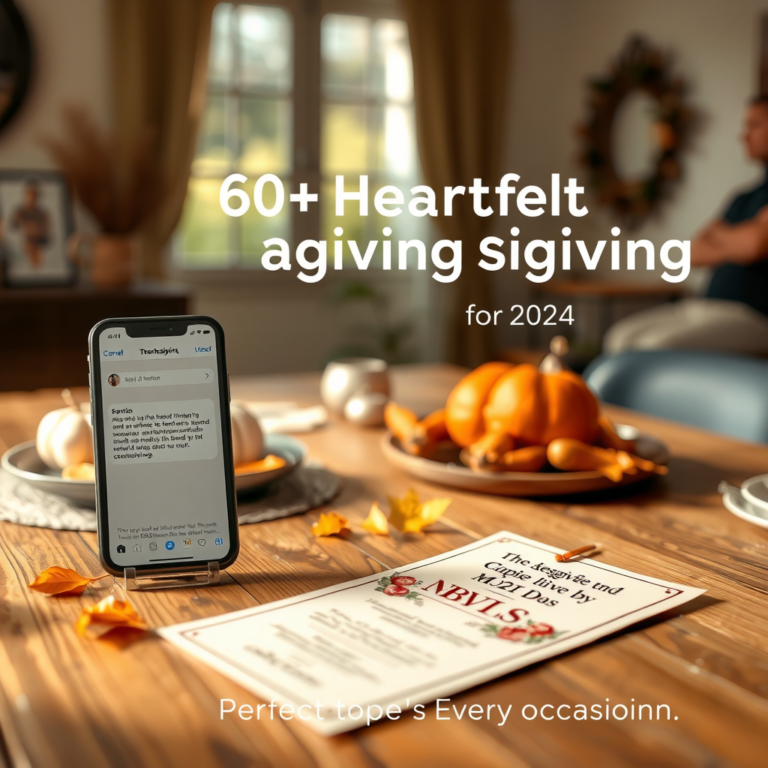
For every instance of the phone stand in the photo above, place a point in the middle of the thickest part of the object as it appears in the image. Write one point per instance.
(172, 579)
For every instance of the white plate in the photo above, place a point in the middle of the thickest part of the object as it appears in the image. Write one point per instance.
(23, 462)
(447, 469)
(740, 507)
(755, 491)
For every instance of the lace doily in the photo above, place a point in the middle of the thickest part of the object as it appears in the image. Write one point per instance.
(308, 487)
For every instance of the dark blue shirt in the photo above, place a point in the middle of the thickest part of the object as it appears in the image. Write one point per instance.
(747, 283)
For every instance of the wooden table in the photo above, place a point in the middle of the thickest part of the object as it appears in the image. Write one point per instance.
(68, 701)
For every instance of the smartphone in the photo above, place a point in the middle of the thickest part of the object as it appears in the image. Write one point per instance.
(165, 495)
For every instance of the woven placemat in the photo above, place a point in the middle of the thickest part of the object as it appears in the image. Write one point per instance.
(310, 486)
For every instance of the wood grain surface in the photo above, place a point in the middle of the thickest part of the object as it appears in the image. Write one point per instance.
(67, 701)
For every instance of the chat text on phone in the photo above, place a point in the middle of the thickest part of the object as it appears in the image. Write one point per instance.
(164, 461)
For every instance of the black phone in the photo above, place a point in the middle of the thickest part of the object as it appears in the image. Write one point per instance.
(165, 493)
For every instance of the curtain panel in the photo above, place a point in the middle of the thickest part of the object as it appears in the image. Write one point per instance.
(159, 68)
(460, 55)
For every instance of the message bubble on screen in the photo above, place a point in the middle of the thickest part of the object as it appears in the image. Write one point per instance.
(171, 430)
(168, 378)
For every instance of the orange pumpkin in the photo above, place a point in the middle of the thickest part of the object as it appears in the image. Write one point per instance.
(533, 407)
(536, 408)
(464, 409)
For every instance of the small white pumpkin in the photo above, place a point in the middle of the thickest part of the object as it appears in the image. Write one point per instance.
(247, 437)
(65, 436)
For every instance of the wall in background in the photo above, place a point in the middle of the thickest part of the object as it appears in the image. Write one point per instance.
(560, 44)
(297, 327)
(293, 329)
(71, 67)
(71, 61)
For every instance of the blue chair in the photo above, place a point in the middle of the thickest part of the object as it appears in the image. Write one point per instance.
(721, 392)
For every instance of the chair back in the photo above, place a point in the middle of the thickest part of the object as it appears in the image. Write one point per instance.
(721, 392)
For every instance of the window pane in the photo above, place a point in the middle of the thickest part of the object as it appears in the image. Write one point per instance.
(345, 139)
(354, 225)
(365, 229)
(220, 57)
(393, 73)
(266, 48)
(204, 229)
(265, 135)
(255, 228)
(214, 156)
(396, 142)
(346, 42)
(404, 226)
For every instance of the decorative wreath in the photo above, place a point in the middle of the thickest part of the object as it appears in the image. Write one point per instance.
(639, 66)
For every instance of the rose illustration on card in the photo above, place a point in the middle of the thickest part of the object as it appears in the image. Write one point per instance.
(532, 632)
(397, 586)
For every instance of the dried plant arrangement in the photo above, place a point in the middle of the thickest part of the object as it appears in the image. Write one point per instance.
(117, 182)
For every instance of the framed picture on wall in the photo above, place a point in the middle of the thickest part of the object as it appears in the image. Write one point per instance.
(35, 224)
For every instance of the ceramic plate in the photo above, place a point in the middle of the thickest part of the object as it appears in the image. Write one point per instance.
(447, 469)
(755, 492)
(285, 446)
(24, 463)
(740, 507)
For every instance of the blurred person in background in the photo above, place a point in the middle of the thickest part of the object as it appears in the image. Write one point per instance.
(733, 314)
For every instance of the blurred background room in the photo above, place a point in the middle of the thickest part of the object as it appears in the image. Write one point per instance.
(121, 118)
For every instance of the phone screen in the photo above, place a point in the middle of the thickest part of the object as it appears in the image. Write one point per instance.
(162, 453)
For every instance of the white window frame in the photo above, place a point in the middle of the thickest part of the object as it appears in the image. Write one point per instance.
(307, 100)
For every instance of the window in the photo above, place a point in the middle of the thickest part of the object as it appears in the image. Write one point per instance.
(367, 118)
(246, 128)
(268, 111)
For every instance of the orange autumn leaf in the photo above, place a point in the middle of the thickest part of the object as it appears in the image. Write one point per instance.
(410, 515)
(267, 464)
(114, 617)
(331, 524)
(376, 522)
(62, 581)
(121, 637)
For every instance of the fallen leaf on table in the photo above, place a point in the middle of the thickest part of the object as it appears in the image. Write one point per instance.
(62, 581)
(331, 524)
(117, 618)
(267, 464)
(410, 515)
(376, 522)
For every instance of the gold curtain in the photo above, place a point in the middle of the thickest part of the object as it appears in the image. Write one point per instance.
(159, 65)
(460, 61)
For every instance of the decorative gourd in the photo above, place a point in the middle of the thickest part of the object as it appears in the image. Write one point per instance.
(533, 406)
(464, 409)
(488, 450)
(419, 438)
(536, 408)
(575, 456)
(530, 459)
(516, 418)
(400, 421)
(247, 437)
(64, 436)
